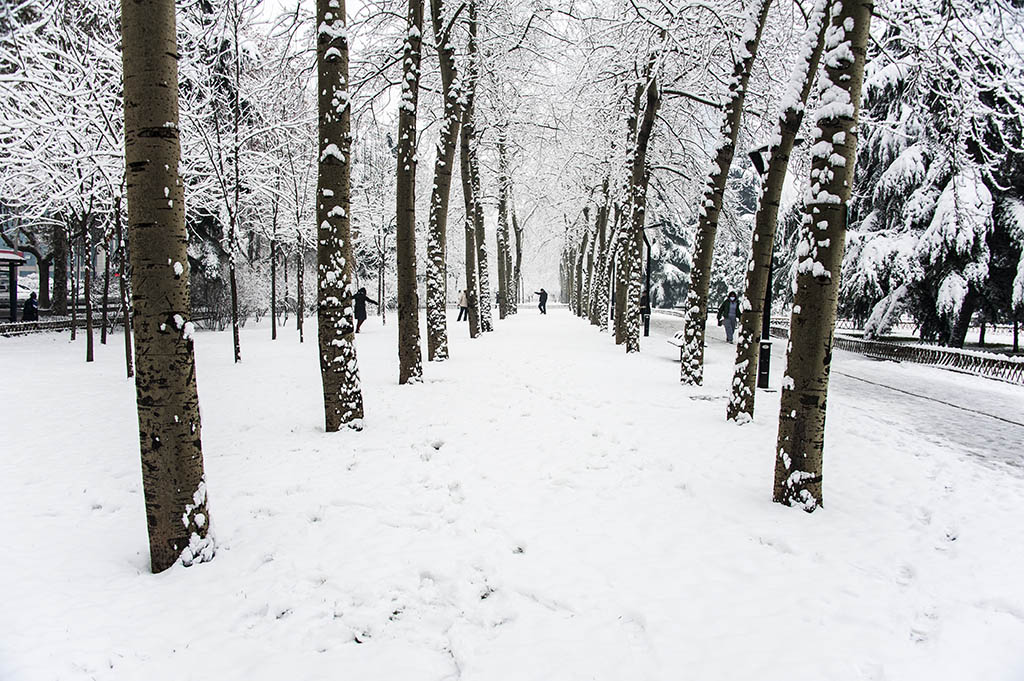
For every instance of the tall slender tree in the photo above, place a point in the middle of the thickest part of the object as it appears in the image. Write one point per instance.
(437, 276)
(798, 462)
(339, 369)
(741, 402)
(692, 366)
(410, 369)
(177, 513)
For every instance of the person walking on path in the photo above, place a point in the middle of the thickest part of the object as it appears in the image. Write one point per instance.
(30, 313)
(463, 306)
(543, 305)
(728, 313)
(361, 300)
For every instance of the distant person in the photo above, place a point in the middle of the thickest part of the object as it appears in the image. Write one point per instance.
(728, 313)
(361, 300)
(543, 305)
(463, 306)
(645, 312)
(30, 313)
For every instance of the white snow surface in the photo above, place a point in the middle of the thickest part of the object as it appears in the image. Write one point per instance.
(541, 507)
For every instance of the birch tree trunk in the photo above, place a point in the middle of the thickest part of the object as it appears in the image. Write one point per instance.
(410, 369)
(744, 380)
(339, 369)
(692, 366)
(798, 464)
(177, 516)
(437, 234)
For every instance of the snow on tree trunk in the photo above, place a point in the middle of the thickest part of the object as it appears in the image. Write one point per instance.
(638, 202)
(87, 249)
(410, 369)
(436, 280)
(798, 464)
(744, 380)
(692, 366)
(472, 211)
(502, 234)
(339, 369)
(517, 268)
(273, 288)
(177, 516)
(300, 296)
(235, 325)
(621, 275)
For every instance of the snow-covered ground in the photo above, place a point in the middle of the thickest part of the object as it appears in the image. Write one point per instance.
(543, 507)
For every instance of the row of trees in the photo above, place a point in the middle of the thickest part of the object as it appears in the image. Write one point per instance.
(933, 206)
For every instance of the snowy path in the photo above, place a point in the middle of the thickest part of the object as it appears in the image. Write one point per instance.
(982, 417)
(542, 507)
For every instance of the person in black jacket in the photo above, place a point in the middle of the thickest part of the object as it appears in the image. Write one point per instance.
(543, 306)
(728, 313)
(30, 313)
(361, 300)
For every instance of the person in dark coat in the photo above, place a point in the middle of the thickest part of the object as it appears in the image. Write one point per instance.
(361, 300)
(30, 313)
(463, 306)
(728, 313)
(543, 305)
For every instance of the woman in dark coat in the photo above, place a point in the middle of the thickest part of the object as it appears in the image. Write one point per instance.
(361, 300)
(728, 313)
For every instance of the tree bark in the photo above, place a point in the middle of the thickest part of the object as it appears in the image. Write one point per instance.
(235, 328)
(502, 233)
(470, 183)
(76, 260)
(640, 178)
(410, 369)
(339, 369)
(437, 234)
(122, 275)
(273, 288)
(798, 463)
(692, 366)
(106, 290)
(168, 405)
(59, 302)
(300, 294)
(87, 250)
(517, 268)
(744, 380)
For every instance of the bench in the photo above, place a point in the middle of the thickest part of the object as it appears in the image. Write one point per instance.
(678, 339)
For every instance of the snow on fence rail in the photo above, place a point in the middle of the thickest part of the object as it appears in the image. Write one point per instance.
(988, 365)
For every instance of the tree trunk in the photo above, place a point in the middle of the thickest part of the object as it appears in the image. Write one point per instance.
(168, 406)
(960, 324)
(517, 269)
(76, 260)
(87, 249)
(59, 303)
(741, 402)
(600, 265)
(122, 275)
(437, 234)
(273, 289)
(106, 290)
(339, 370)
(638, 200)
(798, 464)
(621, 275)
(470, 183)
(300, 294)
(236, 340)
(410, 369)
(44, 280)
(692, 366)
(502, 234)
(483, 279)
